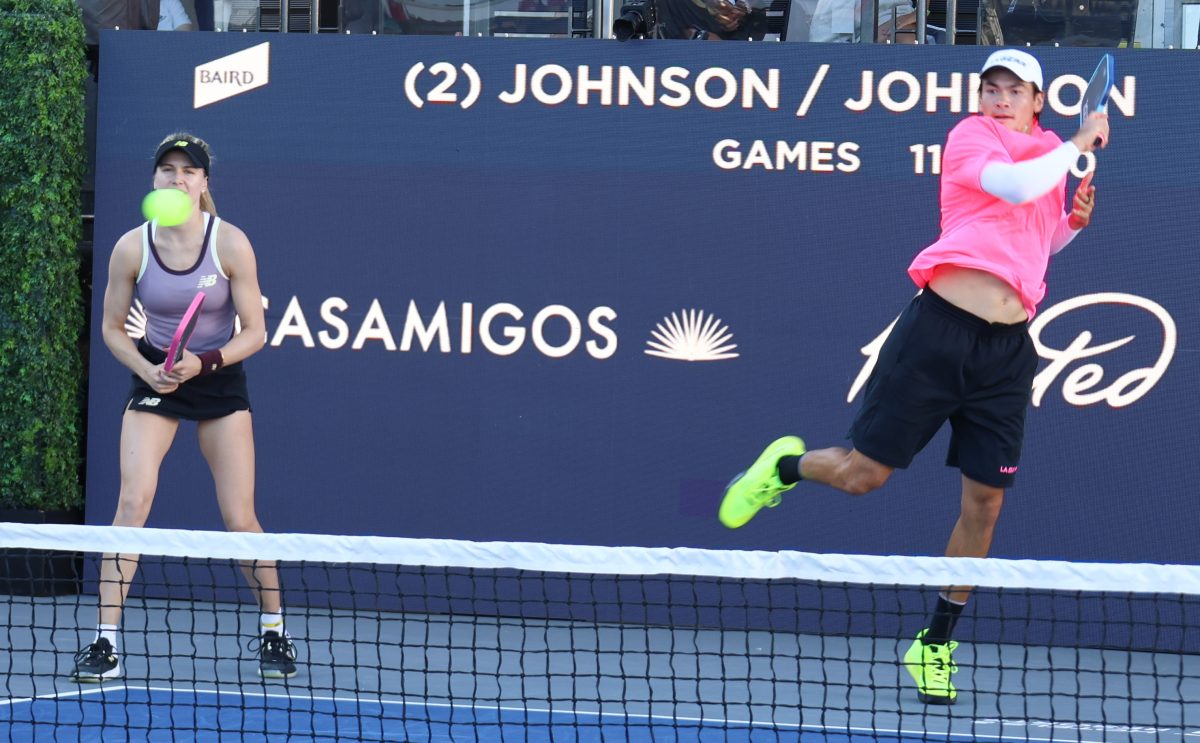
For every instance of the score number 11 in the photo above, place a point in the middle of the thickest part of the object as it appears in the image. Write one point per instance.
(932, 152)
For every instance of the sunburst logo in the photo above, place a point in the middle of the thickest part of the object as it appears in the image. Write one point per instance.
(691, 335)
(135, 321)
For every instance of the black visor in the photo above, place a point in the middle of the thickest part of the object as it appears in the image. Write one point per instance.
(194, 152)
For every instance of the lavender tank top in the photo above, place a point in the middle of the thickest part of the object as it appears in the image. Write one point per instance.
(166, 294)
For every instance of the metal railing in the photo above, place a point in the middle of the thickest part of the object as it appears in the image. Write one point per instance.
(1141, 23)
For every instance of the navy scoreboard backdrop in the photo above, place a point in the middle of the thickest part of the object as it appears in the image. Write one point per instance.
(561, 291)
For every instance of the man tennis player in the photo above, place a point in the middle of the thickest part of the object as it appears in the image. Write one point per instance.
(960, 351)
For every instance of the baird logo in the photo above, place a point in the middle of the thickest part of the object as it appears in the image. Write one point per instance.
(232, 75)
(229, 77)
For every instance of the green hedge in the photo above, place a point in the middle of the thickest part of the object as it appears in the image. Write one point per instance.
(41, 312)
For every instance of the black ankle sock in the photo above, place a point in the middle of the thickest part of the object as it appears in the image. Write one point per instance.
(789, 470)
(941, 625)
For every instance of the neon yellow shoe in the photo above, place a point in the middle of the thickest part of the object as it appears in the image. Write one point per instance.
(931, 667)
(758, 486)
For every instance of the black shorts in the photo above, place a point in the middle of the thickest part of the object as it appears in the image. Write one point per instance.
(943, 363)
(200, 398)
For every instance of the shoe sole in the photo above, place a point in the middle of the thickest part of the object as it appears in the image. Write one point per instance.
(933, 699)
(276, 674)
(735, 523)
(95, 678)
(924, 697)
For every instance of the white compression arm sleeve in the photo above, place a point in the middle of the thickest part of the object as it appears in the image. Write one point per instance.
(1020, 182)
(1063, 235)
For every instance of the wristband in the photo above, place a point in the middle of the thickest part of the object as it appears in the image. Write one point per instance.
(210, 361)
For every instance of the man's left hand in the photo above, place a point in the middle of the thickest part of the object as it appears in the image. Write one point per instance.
(1084, 202)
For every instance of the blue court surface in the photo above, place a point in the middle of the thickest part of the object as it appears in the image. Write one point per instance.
(163, 714)
(406, 677)
(127, 712)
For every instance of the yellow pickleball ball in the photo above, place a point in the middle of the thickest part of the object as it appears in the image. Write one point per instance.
(169, 206)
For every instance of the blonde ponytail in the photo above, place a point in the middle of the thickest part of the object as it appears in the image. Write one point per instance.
(206, 203)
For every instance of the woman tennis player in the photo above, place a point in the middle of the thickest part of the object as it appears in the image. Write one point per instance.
(961, 351)
(163, 268)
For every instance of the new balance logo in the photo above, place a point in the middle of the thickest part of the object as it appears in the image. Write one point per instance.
(207, 281)
(1008, 470)
(149, 402)
(691, 335)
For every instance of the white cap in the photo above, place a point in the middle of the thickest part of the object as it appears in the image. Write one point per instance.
(1022, 64)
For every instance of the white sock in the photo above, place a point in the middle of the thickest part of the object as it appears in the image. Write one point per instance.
(271, 623)
(108, 632)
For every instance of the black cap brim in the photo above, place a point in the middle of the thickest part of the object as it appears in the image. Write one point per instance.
(194, 152)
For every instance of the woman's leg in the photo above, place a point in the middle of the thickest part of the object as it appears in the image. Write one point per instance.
(228, 445)
(145, 440)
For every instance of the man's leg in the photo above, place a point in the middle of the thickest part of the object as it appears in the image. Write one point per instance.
(929, 659)
(903, 406)
(972, 535)
(847, 470)
(778, 469)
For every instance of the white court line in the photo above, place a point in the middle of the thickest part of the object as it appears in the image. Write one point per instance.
(61, 694)
(661, 719)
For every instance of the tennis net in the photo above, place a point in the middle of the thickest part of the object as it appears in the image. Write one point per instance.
(424, 640)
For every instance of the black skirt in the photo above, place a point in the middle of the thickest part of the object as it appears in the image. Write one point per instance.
(198, 399)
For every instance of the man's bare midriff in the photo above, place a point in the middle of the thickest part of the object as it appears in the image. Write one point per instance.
(982, 294)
